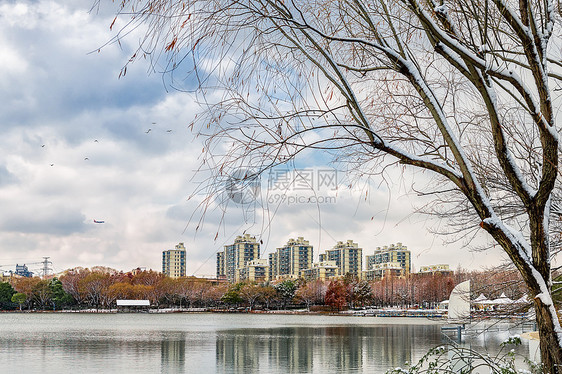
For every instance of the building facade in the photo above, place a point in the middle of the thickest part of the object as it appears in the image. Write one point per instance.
(237, 255)
(385, 269)
(23, 271)
(256, 270)
(391, 254)
(221, 266)
(438, 268)
(347, 256)
(324, 270)
(291, 260)
(174, 261)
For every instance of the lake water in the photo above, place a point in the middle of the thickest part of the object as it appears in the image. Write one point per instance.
(219, 343)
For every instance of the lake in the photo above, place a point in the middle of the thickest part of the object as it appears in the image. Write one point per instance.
(220, 343)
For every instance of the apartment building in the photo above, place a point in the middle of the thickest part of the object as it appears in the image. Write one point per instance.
(437, 268)
(291, 260)
(256, 270)
(174, 261)
(347, 256)
(237, 255)
(394, 254)
(382, 270)
(324, 270)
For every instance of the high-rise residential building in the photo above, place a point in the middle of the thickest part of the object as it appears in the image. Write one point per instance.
(237, 255)
(256, 270)
(174, 261)
(321, 270)
(221, 266)
(291, 259)
(385, 269)
(391, 254)
(347, 256)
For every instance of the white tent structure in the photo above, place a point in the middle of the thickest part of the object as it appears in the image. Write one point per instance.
(501, 303)
(481, 302)
(443, 305)
(480, 298)
(502, 300)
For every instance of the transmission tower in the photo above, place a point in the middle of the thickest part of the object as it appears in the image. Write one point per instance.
(46, 269)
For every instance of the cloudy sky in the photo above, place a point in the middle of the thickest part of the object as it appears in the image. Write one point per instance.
(76, 147)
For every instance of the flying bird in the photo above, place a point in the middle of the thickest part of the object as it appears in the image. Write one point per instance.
(86, 158)
(147, 131)
(168, 130)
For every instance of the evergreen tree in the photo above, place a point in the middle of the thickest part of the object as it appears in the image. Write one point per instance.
(60, 297)
(6, 293)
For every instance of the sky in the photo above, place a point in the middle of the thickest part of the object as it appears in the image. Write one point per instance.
(81, 144)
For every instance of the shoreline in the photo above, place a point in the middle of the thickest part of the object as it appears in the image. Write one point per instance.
(348, 313)
(376, 313)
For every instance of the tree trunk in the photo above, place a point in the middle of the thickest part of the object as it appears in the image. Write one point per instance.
(535, 270)
(551, 351)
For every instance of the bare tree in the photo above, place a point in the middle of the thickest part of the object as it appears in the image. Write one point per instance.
(191, 290)
(71, 282)
(42, 293)
(312, 292)
(251, 293)
(93, 288)
(466, 89)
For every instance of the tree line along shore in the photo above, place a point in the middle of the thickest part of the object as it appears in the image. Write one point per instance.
(100, 288)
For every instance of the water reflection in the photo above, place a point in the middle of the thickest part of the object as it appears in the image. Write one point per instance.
(302, 349)
(217, 343)
(173, 356)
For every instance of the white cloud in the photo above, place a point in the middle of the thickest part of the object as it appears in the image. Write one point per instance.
(12, 62)
(76, 147)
